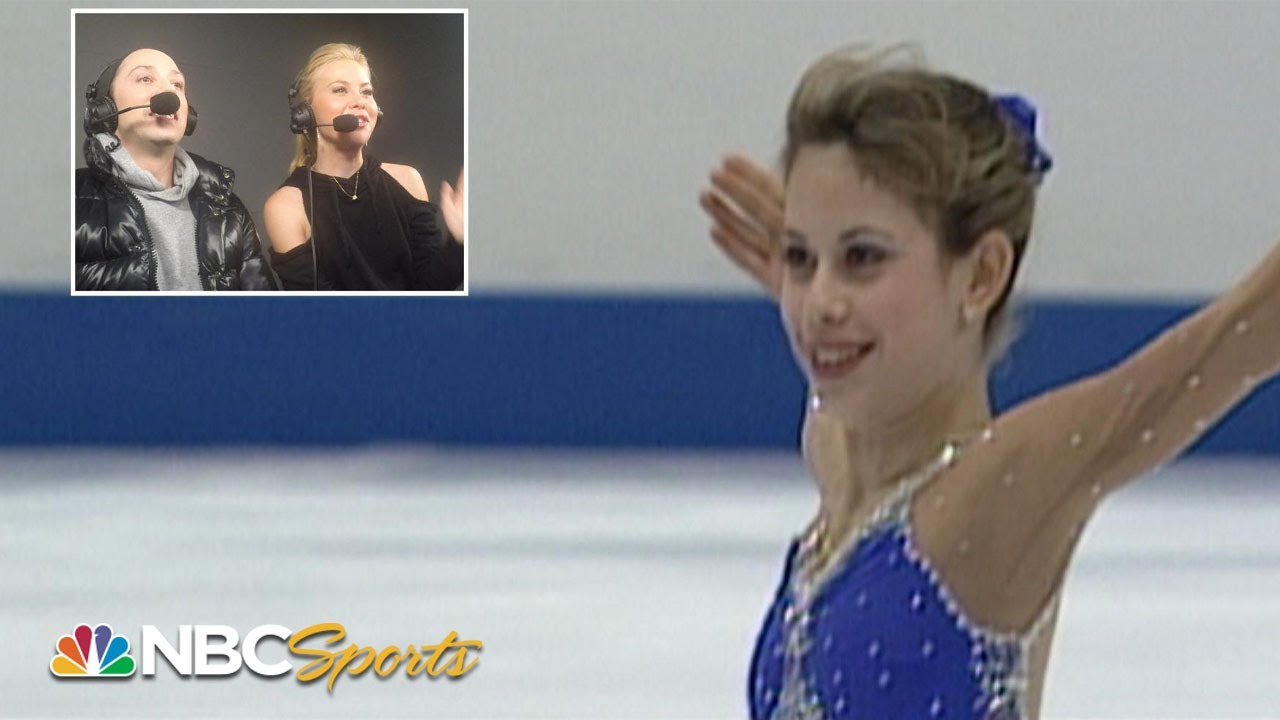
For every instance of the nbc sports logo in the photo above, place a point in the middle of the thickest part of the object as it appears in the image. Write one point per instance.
(92, 652)
(99, 652)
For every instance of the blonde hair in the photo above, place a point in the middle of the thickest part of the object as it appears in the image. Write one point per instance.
(938, 141)
(304, 148)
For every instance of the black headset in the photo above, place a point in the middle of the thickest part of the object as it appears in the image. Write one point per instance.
(301, 117)
(100, 111)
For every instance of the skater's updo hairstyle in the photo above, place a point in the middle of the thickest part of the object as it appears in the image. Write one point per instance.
(967, 162)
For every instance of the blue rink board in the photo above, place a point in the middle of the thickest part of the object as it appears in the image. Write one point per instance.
(489, 370)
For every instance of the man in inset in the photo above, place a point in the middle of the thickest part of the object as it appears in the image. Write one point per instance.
(150, 215)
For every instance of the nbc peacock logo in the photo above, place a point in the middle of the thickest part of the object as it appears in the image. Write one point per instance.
(91, 652)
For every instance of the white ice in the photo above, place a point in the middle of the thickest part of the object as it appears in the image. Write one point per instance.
(603, 585)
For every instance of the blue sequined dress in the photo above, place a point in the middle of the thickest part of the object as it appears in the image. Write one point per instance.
(881, 637)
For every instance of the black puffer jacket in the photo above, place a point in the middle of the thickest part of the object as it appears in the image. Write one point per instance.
(114, 249)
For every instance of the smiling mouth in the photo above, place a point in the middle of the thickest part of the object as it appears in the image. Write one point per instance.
(830, 363)
(171, 116)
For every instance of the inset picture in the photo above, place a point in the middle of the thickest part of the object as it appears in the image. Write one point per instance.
(270, 151)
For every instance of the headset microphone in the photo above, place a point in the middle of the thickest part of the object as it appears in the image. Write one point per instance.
(101, 115)
(165, 103)
(343, 123)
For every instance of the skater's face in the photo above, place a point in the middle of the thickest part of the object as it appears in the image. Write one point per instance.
(869, 304)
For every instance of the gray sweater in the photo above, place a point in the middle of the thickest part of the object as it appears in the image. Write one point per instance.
(169, 216)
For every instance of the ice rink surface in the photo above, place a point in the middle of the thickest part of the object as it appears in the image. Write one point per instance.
(603, 585)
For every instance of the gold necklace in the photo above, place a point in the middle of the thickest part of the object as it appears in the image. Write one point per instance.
(355, 192)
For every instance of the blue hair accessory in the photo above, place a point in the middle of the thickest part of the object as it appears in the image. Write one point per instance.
(1022, 113)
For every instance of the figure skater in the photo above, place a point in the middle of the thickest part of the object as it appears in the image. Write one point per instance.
(927, 584)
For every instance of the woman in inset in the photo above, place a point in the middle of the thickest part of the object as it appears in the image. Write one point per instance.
(343, 220)
(927, 585)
